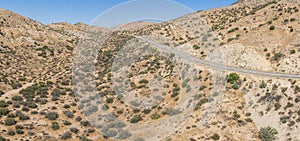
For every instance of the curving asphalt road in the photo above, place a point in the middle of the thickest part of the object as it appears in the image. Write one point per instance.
(219, 66)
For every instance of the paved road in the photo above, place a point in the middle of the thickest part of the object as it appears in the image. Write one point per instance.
(219, 66)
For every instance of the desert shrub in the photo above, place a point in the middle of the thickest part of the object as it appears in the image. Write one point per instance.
(196, 47)
(272, 27)
(66, 106)
(43, 101)
(232, 77)
(215, 136)
(155, 116)
(3, 104)
(22, 79)
(1, 93)
(30, 104)
(3, 139)
(90, 130)
(66, 135)
(10, 115)
(74, 130)
(297, 89)
(55, 98)
(31, 133)
(146, 111)
(248, 120)
(19, 131)
(65, 83)
(136, 119)
(10, 121)
(263, 85)
(292, 19)
(230, 39)
(235, 86)
(55, 126)
(58, 92)
(78, 118)
(200, 103)
(267, 133)
(19, 127)
(292, 51)
(52, 116)
(171, 111)
(69, 114)
(109, 100)
(3, 111)
(17, 98)
(65, 122)
(236, 115)
(83, 138)
(277, 56)
(144, 81)
(29, 92)
(21, 116)
(16, 85)
(11, 132)
(85, 123)
(25, 109)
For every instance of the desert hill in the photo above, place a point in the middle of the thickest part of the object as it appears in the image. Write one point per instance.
(39, 81)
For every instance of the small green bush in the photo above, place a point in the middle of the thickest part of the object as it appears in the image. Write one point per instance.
(85, 123)
(10, 121)
(74, 130)
(55, 126)
(215, 136)
(52, 116)
(65, 122)
(17, 98)
(155, 116)
(21, 116)
(3, 111)
(3, 139)
(196, 47)
(272, 27)
(267, 133)
(136, 119)
(66, 135)
(292, 51)
(19, 131)
(277, 56)
(232, 77)
(263, 85)
(144, 81)
(11, 132)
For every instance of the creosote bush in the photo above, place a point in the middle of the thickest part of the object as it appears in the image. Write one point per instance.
(52, 116)
(232, 77)
(267, 133)
(10, 121)
(215, 136)
(55, 126)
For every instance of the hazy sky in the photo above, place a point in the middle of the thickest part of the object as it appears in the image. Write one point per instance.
(73, 11)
